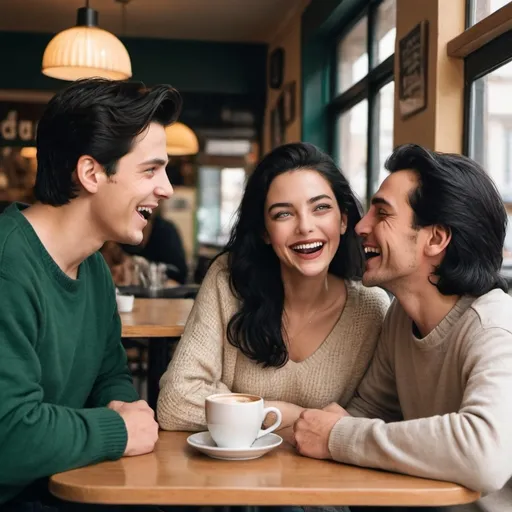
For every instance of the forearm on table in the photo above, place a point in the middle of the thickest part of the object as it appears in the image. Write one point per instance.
(439, 447)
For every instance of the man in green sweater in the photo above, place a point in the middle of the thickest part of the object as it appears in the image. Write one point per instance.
(67, 398)
(435, 401)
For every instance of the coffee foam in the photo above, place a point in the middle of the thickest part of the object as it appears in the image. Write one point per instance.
(235, 399)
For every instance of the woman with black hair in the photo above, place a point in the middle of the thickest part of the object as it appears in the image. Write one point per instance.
(281, 312)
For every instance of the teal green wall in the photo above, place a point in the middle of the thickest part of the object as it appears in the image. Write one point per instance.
(193, 66)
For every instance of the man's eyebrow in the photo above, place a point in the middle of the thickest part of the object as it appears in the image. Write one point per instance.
(155, 161)
(377, 200)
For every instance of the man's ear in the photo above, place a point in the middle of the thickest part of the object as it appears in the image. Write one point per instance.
(438, 239)
(89, 173)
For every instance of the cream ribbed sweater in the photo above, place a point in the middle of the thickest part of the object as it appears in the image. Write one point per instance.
(205, 363)
(453, 389)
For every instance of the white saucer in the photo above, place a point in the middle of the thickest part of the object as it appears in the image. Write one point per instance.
(203, 442)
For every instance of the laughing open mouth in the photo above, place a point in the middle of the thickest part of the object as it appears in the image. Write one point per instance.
(145, 212)
(371, 252)
(307, 248)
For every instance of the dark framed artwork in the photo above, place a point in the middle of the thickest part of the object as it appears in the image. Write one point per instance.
(276, 68)
(277, 126)
(289, 102)
(412, 70)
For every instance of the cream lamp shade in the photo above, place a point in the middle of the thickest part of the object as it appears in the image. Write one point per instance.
(181, 140)
(86, 51)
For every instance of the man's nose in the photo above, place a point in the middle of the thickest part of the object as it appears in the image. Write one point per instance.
(164, 188)
(363, 227)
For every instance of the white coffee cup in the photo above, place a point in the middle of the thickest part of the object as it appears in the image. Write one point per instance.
(124, 303)
(234, 419)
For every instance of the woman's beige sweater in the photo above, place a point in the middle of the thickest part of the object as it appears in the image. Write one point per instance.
(205, 363)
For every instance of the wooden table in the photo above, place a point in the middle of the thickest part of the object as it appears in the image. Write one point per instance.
(175, 474)
(162, 320)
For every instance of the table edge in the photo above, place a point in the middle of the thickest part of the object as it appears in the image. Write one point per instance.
(152, 331)
(261, 496)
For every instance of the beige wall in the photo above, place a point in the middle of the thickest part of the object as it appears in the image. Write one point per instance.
(439, 126)
(289, 38)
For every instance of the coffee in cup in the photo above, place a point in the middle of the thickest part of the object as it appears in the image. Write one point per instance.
(234, 419)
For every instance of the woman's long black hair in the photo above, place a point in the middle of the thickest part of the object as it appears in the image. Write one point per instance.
(254, 269)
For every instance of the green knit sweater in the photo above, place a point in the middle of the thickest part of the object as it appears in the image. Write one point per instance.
(61, 361)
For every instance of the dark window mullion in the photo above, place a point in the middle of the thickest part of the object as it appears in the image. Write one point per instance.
(470, 13)
(370, 127)
(350, 97)
(378, 77)
(383, 73)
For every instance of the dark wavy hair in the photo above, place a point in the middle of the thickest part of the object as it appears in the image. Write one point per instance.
(254, 268)
(99, 118)
(455, 192)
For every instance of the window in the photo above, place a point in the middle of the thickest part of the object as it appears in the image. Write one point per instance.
(362, 92)
(480, 9)
(353, 56)
(353, 129)
(220, 193)
(488, 110)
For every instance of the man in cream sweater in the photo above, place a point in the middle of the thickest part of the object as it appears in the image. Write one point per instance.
(435, 402)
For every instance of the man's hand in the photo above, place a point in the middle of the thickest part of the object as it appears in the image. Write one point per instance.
(334, 407)
(141, 426)
(313, 428)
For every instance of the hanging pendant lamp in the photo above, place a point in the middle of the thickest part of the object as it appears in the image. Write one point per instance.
(86, 51)
(181, 140)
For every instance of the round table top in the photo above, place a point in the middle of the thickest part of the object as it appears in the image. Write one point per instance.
(156, 318)
(176, 474)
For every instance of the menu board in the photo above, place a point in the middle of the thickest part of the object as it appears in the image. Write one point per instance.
(412, 77)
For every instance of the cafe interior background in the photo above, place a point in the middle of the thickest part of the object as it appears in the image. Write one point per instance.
(274, 71)
(355, 77)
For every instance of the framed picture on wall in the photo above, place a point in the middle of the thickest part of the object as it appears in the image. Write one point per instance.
(289, 102)
(412, 75)
(277, 125)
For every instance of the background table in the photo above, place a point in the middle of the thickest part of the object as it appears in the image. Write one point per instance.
(175, 474)
(162, 321)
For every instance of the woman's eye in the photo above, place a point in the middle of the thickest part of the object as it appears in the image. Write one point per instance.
(281, 215)
(323, 207)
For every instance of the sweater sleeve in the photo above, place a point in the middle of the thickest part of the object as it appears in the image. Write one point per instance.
(195, 371)
(468, 447)
(53, 438)
(376, 395)
(114, 381)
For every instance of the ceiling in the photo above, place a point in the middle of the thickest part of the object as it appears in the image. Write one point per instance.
(207, 20)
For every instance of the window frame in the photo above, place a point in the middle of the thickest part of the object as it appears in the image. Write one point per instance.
(478, 64)
(367, 88)
(485, 46)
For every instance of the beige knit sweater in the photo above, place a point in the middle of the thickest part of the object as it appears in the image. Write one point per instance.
(453, 389)
(205, 363)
